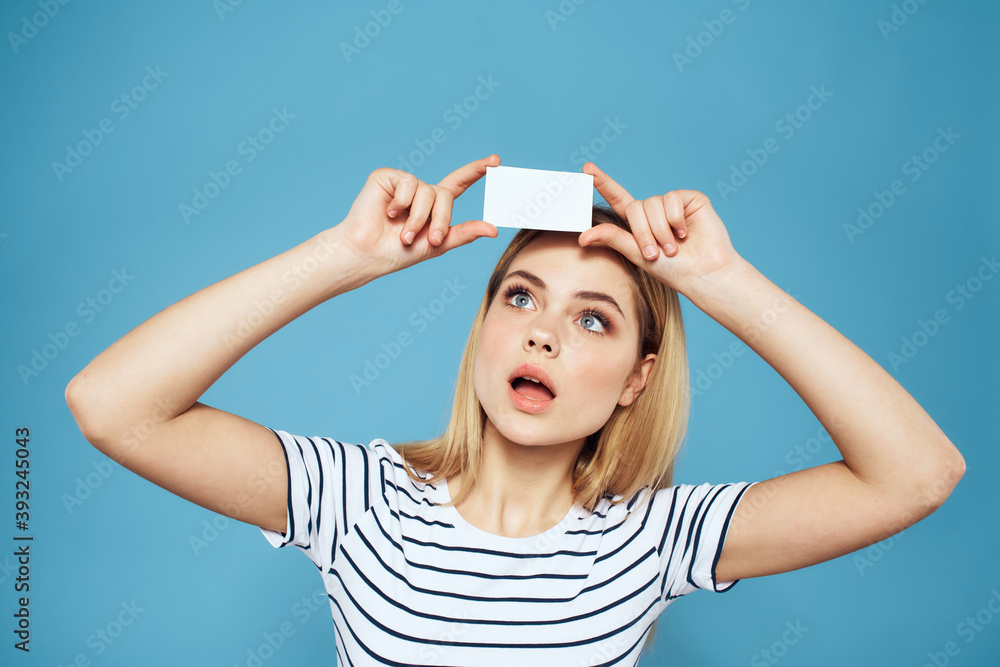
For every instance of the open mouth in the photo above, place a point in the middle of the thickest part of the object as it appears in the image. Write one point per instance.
(532, 388)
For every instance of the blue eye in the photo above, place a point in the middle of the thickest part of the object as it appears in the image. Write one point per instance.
(588, 318)
(595, 318)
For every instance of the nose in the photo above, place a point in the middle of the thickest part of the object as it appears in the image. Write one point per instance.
(541, 337)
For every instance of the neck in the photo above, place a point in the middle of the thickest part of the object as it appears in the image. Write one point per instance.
(522, 490)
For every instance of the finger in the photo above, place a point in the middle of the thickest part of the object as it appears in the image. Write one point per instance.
(467, 232)
(616, 196)
(459, 180)
(402, 194)
(657, 217)
(616, 238)
(440, 216)
(420, 208)
(673, 205)
(645, 235)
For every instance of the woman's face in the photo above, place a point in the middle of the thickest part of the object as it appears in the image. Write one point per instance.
(569, 312)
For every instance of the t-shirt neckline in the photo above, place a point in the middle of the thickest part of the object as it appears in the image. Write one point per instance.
(540, 540)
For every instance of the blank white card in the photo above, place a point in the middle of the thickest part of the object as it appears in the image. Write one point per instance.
(560, 201)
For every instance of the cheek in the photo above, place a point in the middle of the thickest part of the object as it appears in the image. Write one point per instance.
(491, 339)
(601, 380)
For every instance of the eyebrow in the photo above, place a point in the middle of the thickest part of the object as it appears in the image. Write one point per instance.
(579, 294)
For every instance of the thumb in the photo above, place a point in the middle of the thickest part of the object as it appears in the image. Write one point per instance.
(468, 231)
(616, 238)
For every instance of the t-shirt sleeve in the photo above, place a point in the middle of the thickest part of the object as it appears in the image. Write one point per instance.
(695, 521)
(328, 489)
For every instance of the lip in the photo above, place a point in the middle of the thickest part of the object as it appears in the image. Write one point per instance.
(523, 402)
(526, 404)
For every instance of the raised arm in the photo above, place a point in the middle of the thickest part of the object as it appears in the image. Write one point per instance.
(138, 400)
(897, 465)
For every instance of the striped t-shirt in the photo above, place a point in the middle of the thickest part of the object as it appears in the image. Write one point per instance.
(412, 583)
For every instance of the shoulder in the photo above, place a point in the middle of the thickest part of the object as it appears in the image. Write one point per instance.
(395, 467)
(670, 502)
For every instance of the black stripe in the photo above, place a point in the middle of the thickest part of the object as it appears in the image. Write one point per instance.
(419, 473)
(420, 519)
(670, 518)
(480, 575)
(722, 541)
(367, 650)
(319, 503)
(336, 531)
(482, 621)
(702, 515)
(630, 649)
(366, 490)
(343, 486)
(639, 529)
(288, 471)
(460, 596)
(492, 552)
(442, 642)
(423, 501)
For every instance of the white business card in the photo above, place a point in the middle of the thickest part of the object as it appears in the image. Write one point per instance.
(560, 201)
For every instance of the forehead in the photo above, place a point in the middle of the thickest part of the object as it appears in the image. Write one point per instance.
(558, 259)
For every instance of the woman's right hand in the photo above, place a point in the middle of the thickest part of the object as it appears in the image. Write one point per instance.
(394, 204)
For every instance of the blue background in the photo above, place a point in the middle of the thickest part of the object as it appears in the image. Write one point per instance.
(560, 78)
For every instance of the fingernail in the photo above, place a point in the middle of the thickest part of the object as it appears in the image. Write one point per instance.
(681, 233)
(436, 237)
(668, 248)
(392, 214)
(650, 251)
(408, 237)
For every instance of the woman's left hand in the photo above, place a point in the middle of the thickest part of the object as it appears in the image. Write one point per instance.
(689, 241)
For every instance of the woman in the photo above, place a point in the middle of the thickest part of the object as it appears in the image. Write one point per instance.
(542, 527)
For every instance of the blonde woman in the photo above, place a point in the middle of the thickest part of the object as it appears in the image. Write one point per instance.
(543, 527)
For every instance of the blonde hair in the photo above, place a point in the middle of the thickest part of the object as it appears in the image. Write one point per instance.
(637, 446)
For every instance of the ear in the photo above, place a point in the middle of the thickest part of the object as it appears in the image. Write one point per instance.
(638, 381)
